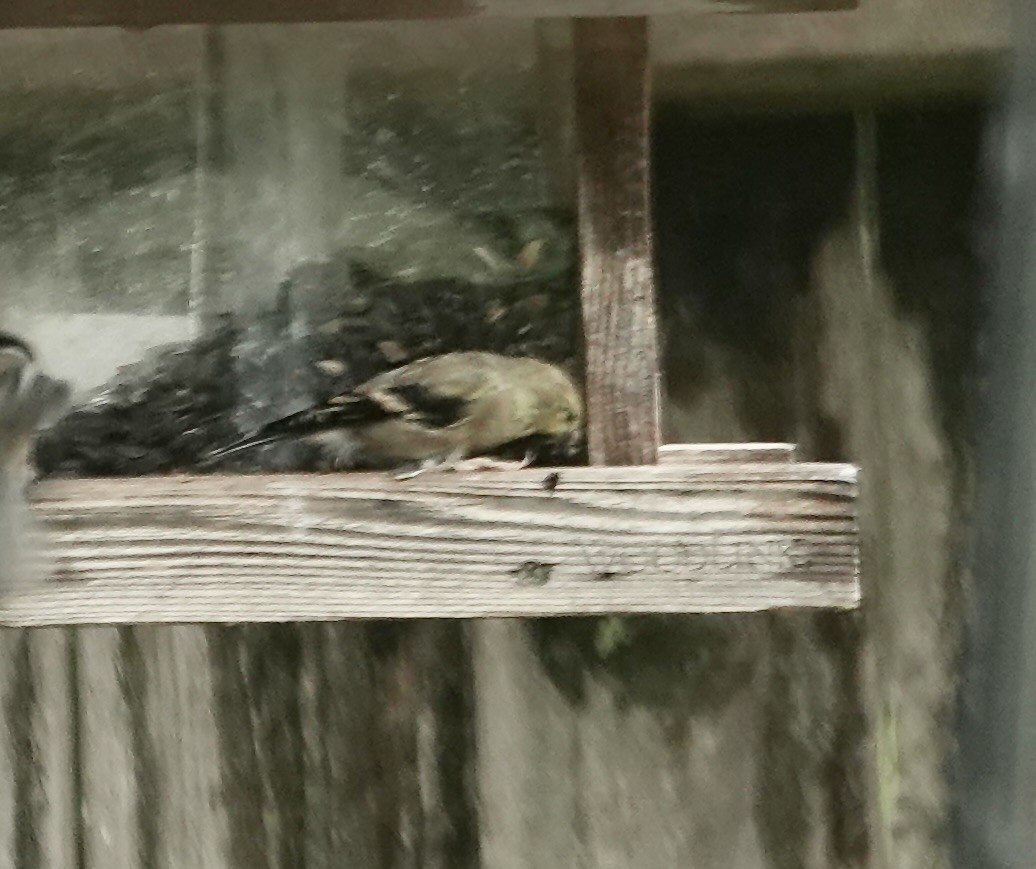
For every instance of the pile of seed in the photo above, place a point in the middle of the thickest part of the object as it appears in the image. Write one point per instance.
(168, 411)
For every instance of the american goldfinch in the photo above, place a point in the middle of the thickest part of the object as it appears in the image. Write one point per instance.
(448, 411)
(29, 400)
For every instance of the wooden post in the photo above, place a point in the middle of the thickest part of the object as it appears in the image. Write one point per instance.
(619, 318)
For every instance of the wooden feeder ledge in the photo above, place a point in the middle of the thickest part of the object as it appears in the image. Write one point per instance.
(724, 528)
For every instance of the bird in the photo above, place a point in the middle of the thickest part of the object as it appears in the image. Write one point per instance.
(29, 401)
(447, 412)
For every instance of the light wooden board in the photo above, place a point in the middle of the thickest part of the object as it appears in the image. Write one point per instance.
(316, 547)
(685, 454)
(151, 13)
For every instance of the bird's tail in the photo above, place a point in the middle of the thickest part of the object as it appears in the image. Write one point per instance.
(256, 439)
(347, 411)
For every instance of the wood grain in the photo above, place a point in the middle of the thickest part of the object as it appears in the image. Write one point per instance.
(620, 322)
(891, 395)
(312, 547)
(684, 454)
(38, 806)
(152, 13)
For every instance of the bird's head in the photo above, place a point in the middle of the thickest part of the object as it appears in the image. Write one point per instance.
(559, 416)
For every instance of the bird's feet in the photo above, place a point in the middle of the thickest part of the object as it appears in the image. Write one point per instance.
(479, 463)
(483, 463)
(427, 465)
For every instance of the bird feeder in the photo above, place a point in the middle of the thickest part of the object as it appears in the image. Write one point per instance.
(239, 218)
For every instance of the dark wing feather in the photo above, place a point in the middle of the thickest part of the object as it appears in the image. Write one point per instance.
(400, 393)
(343, 412)
(429, 408)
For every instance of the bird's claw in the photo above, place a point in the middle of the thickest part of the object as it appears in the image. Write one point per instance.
(422, 468)
(486, 464)
(479, 463)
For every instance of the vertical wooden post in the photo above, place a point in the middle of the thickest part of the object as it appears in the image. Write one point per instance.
(619, 316)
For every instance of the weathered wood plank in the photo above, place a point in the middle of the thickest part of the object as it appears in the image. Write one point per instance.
(111, 798)
(897, 378)
(264, 745)
(38, 823)
(344, 802)
(179, 730)
(687, 454)
(576, 540)
(152, 13)
(622, 354)
(151, 771)
(607, 783)
(752, 202)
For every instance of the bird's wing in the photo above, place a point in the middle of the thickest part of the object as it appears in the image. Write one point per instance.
(347, 411)
(430, 392)
(341, 412)
(436, 392)
(422, 404)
